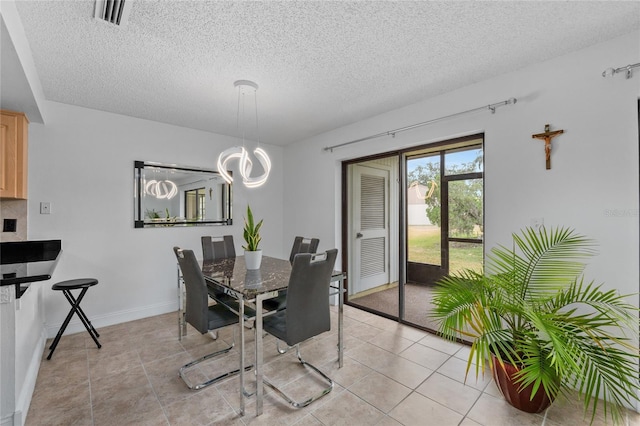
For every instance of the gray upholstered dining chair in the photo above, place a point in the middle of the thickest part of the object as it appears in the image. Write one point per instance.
(303, 245)
(307, 313)
(300, 245)
(214, 248)
(217, 248)
(200, 315)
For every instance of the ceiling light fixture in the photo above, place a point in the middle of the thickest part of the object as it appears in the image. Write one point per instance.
(609, 72)
(240, 153)
(161, 189)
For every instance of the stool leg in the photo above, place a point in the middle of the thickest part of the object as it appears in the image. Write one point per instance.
(63, 327)
(75, 306)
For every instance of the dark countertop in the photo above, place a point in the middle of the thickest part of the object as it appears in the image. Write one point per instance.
(24, 262)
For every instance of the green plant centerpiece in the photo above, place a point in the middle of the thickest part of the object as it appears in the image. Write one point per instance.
(251, 233)
(533, 318)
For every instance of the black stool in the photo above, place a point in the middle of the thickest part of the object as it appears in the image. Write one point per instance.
(66, 287)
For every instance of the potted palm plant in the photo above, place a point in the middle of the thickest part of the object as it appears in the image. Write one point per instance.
(252, 254)
(540, 327)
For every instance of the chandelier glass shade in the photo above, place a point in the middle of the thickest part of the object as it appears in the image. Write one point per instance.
(240, 153)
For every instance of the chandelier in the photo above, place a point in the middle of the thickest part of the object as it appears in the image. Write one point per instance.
(240, 153)
(161, 189)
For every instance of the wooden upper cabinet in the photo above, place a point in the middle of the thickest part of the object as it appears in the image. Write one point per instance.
(14, 131)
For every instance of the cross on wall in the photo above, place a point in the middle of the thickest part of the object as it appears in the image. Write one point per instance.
(547, 136)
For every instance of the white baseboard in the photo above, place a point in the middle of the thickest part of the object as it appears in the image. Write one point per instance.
(24, 399)
(75, 326)
(7, 421)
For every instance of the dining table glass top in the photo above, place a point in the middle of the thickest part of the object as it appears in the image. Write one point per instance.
(232, 273)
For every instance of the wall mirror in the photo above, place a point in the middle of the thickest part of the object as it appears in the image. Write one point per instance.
(168, 195)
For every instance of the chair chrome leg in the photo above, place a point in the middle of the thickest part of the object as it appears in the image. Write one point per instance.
(296, 404)
(282, 351)
(203, 385)
(214, 334)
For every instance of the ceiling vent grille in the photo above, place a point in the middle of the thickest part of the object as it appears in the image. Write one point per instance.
(113, 11)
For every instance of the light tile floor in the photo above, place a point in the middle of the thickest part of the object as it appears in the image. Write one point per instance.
(392, 375)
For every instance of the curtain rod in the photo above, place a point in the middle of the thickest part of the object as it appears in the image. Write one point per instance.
(491, 107)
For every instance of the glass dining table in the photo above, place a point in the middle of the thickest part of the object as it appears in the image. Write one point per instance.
(250, 288)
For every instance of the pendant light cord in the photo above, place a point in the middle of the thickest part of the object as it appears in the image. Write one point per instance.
(241, 94)
(255, 98)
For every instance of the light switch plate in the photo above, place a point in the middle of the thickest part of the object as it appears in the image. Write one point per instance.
(45, 207)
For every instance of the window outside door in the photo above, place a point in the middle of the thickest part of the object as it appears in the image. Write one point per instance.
(444, 222)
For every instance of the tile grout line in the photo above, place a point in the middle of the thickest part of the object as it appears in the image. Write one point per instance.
(146, 374)
(86, 351)
(415, 390)
(384, 375)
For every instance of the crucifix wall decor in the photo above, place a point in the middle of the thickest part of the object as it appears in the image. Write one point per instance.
(547, 136)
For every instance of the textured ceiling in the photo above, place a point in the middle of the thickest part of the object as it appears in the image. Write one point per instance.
(320, 64)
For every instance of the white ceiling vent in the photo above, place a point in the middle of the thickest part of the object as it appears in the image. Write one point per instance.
(113, 11)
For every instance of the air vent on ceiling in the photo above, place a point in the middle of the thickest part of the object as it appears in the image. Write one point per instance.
(113, 11)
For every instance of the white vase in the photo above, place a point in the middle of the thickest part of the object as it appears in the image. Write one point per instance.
(253, 259)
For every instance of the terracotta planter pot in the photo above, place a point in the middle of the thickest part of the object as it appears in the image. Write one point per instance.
(521, 399)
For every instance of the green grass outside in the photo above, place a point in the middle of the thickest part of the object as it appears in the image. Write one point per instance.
(424, 247)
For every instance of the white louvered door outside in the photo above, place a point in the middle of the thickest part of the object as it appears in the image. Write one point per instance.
(371, 228)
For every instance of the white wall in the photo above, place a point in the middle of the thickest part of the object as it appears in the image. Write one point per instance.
(594, 163)
(82, 162)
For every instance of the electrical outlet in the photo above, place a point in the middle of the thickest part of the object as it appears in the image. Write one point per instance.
(537, 222)
(45, 207)
(9, 225)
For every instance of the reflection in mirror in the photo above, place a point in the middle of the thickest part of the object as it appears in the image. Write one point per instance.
(171, 195)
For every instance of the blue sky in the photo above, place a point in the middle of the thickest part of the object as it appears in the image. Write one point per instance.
(460, 157)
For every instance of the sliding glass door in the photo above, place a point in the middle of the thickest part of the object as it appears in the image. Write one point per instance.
(400, 242)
